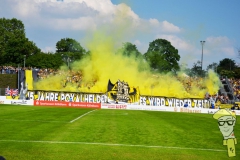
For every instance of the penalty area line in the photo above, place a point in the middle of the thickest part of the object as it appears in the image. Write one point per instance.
(109, 144)
(81, 116)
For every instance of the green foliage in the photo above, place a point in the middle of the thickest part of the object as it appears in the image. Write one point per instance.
(213, 66)
(13, 43)
(226, 64)
(162, 56)
(43, 60)
(196, 70)
(227, 67)
(237, 73)
(130, 50)
(68, 47)
(229, 74)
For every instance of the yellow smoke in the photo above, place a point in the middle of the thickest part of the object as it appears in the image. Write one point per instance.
(103, 64)
(212, 82)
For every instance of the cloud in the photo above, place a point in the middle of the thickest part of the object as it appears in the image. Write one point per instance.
(187, 51)
(142, 47)
(169, 27)
(177, 42)
(81, 15)
(164, 26)
(24, 9)
(82, 23)
(214, 49)
(220, 45)
(67, 10)
(63, 15)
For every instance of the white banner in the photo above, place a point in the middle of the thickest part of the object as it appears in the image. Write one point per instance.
(2, 97)
(18, 102)
(161, 108)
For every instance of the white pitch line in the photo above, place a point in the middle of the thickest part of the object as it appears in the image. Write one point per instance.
(81, 116)
(120, 114)
(109, 144)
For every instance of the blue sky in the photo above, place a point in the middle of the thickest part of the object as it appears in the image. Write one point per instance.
(182, 22)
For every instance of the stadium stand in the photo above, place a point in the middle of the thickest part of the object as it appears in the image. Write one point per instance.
(229, 93)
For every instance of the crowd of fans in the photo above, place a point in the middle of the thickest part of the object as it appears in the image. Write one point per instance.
(42, 73)
(45, 73)
(235, 83)
(9, 70)
(188, 82)
(75, 77)
(218, 98)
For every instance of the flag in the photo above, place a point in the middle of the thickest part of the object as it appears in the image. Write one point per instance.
(7, 91)
(11, 92)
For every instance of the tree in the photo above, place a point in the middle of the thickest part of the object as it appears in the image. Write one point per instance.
(196, 70)
(162, 56)
(227, 67)
(237, 73)
(13, 43)
(129, 49)
(227, 64)
(45, 60)
(70, 48)
(213, 66)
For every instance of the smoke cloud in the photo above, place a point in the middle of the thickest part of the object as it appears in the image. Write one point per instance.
(103, 63)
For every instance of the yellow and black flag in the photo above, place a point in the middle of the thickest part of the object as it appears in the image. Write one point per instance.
(122, 92)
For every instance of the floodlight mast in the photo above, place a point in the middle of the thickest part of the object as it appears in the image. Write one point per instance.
(202, 43)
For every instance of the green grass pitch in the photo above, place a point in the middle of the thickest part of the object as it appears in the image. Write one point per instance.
(48, 133)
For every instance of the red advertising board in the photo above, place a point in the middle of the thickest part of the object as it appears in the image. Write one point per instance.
(67, 104)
